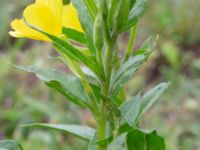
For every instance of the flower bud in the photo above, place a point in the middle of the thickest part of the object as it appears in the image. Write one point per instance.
(97, 32)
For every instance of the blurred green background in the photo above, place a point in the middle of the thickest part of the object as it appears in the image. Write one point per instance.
(24, 99)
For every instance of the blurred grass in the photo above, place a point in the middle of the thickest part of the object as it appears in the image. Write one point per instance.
(23, 99)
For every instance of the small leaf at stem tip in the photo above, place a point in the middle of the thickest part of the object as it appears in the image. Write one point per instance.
(148, 46)
(136, 12)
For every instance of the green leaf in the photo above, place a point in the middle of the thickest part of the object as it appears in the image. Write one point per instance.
(92, 144)
(92, 8)
(150, 43)
(150, 97)
(74, 35)
(70, 86)
(65, 2)
(117, 101)
(87, 10)
(118, 143)
(125, 127)
(124, 73)
(139, 140)
(130, 110)
(147, 47)
(84, 16)
(75, 54)
(86, 20)
(10, 145)
(69, 50)
(118, 13)
(104, 141)
(83, 132)
(123, 14)
(134, 15)
(133, 109)
(132, 3)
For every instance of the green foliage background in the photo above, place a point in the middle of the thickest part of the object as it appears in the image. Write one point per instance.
(23, 99)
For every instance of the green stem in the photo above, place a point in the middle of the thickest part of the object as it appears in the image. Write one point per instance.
(110, 44)
(131, 43)
(76, 69)
(99, 59)
(102, 126)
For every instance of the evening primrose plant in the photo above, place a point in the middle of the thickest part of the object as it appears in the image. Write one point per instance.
(85, 34)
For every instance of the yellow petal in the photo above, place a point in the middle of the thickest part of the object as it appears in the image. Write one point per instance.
(22, 30)
(41, 16)
(55, 5)
(70, 18)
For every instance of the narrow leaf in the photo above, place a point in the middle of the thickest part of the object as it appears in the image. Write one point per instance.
(86, 20)
(124, 73)
(147, 47)
(70, 86)
(74, 35)
(69, 50)
(83, 132)
(10, 145)
(132, 2)
(134, 15)
(118, 143)
(130, 110)
(150, 97)
(92, 8)
(92, 143)
(84, 16)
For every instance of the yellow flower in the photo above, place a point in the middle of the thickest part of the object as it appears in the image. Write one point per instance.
(48, 16)
(70, 18)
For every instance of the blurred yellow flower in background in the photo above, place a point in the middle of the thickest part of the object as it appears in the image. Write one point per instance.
(48, 16)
